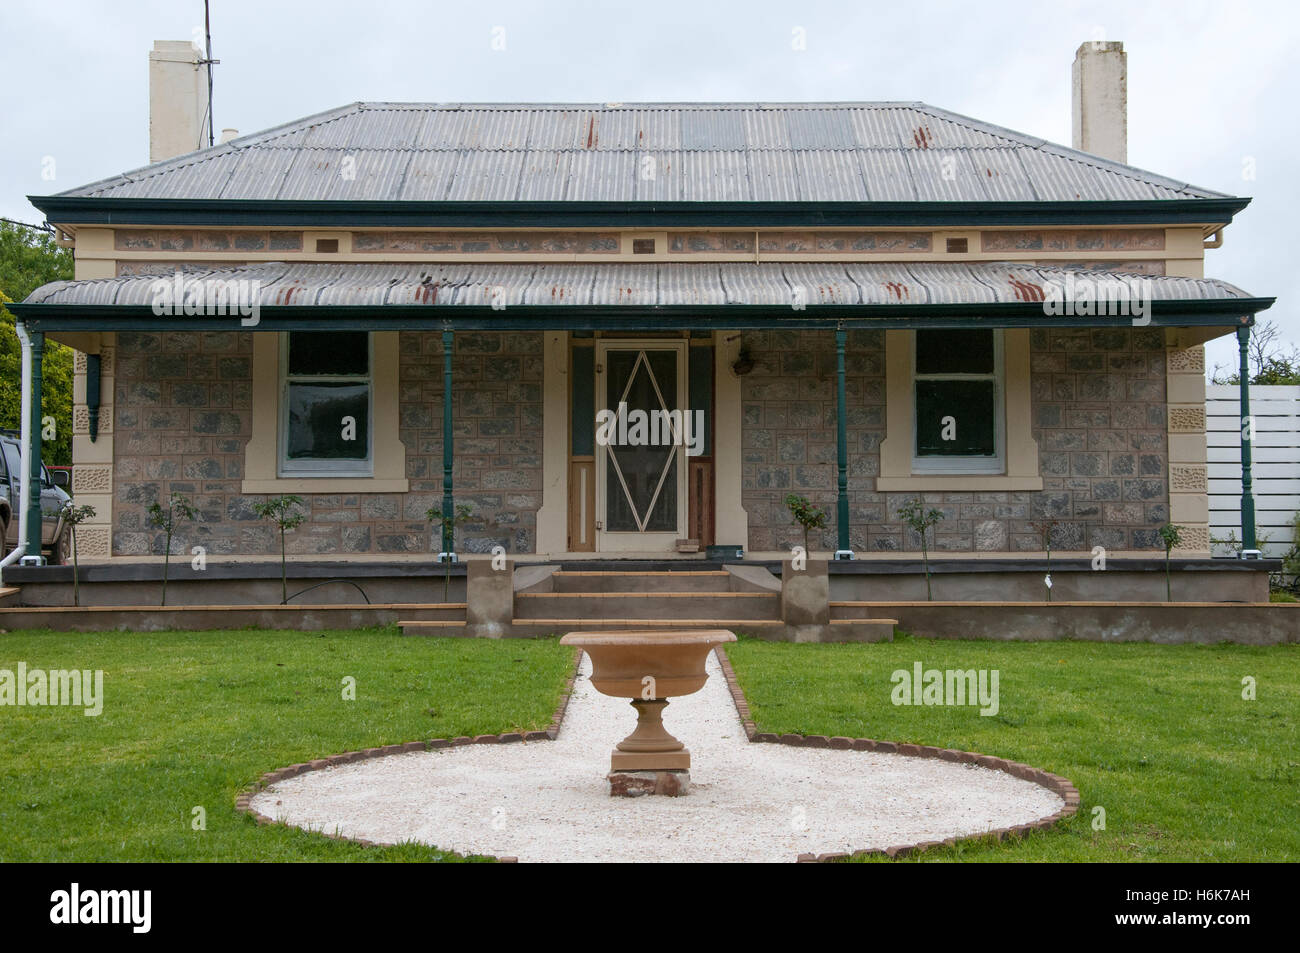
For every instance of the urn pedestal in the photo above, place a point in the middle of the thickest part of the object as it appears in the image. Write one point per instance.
(649, 668)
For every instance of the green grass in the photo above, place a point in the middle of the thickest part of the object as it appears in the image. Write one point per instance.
(1159, 736)
(190, 718)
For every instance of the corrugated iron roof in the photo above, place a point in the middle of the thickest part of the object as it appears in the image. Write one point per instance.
(725, 151)
(762, 283)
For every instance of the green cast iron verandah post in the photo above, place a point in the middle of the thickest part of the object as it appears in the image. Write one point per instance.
(448, 455)
(33, 502)
(1247, 436)
(843, 550)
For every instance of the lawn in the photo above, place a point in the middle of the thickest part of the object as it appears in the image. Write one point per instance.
(190, 718)
(1159, 736)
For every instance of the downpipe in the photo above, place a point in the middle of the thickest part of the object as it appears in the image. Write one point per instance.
(26, 342)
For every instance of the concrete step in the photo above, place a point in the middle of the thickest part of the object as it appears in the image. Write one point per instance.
(647, 605)
(862, 630)
(671, 581)
(541, 627)
(852, 610)
(432, 627)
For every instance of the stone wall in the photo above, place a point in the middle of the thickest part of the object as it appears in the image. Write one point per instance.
(1098, 416)
(1099, 419)
(497, 415)
(183, 417)
(788, 439)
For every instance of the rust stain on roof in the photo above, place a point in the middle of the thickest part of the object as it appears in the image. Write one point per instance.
(427, 292)
(1026, 290)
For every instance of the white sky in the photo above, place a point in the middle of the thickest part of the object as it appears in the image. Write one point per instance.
(1212, 85)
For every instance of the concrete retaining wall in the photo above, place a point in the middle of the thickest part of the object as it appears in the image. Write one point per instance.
(202, 618)
(1166, 623)
(241, 584)
(1068, 585)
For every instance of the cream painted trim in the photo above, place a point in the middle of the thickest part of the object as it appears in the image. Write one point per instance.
(553, 515)
(956, 484)
(1021, 450)
(95, 536)
(310, 237)
(625, 246)
(299, 485)
(1189, 504)
(730, 521)
(93, 255)
(261, 453)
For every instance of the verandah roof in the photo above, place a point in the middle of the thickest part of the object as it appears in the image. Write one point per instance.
(660, 294)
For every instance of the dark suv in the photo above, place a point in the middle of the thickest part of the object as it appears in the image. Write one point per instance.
(55, 531)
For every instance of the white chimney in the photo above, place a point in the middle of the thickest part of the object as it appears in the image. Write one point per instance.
(1100, 100)
(227, 135)
(178, 99)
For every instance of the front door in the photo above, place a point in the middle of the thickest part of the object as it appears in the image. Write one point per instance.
(640, 445)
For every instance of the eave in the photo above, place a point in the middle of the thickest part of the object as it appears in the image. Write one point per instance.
(1220, 313)
(82, 211)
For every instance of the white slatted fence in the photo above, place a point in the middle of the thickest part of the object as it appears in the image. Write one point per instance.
(1275, 452)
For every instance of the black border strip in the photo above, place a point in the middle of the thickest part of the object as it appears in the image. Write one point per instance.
(94, 210)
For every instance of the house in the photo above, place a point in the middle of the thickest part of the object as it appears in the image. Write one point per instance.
(390, 306)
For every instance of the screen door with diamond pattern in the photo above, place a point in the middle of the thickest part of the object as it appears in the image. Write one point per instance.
(641, 471)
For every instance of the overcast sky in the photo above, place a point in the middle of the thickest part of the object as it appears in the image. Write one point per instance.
(1213, 90)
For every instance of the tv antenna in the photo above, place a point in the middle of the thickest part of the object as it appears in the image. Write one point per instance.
(209, 62)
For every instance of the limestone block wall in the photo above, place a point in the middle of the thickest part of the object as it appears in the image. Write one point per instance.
(92, 475)
(788, 434)
(1189, 485)
(1099, 418)
(181, 418)
(497, 415)
(1099, 407)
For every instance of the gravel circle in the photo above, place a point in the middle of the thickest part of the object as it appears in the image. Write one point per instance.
(549, 800)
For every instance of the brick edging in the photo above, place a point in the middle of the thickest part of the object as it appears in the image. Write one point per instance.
(1053, 782)
(243, 801)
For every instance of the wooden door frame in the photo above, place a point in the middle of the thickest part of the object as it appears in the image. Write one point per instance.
(607, 541)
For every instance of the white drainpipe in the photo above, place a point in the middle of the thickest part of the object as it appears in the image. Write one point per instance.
(26, 476)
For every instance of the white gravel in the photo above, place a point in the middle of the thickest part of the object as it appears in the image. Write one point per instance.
(549, 801)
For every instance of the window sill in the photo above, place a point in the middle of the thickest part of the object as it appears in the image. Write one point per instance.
(302, 485)
(957, 483)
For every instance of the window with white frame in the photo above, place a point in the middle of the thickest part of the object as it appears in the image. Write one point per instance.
(325, 404)
(958, 395)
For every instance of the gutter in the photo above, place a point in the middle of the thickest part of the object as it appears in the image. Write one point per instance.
(71, 210)
(1208, 312)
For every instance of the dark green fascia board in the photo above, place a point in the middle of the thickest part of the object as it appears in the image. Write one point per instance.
(86, 210)
(1164, 314)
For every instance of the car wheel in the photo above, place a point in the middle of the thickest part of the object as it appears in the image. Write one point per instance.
(62, 551)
